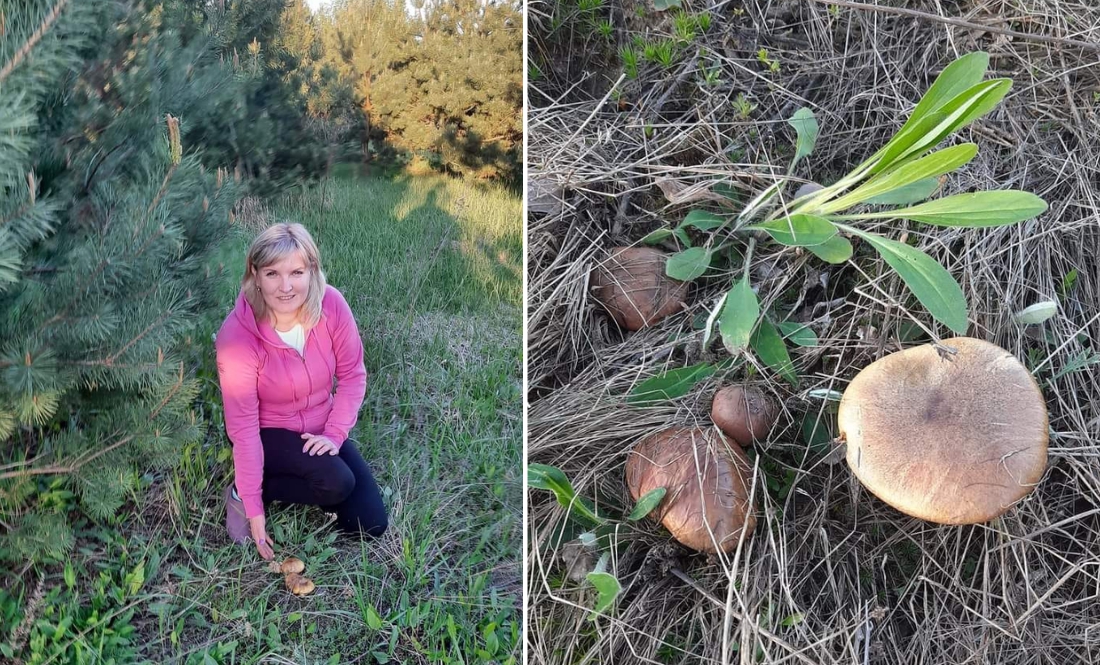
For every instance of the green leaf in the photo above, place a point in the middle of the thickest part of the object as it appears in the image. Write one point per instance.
(826, 394)
(1068, 282)
(799, 230)
(374, 622)
(1037, 313)
(702, 220)
(688, 264)
(961, 75)
(929, 166)
(552, 479)
(976, 210)
(835, 250)
(654, 237)
(738, 316)
(911, 193)
(711, 318)
(662, 5)
(929, 131)
(607, 586)
(930, 282)
(670, 385)
(492, 642)
(815, 431)
(682, 234)
(799, 334)
(805, 126)
(771, 350)
(791, 620)
(647, 503)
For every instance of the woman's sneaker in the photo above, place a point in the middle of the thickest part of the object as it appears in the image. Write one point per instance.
(235, 520)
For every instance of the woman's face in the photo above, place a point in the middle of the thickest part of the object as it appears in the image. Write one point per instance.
(284, 284)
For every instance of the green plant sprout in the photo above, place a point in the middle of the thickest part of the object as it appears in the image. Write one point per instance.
(629, 57)
(554, 480)
(902, 173)
(772, 65)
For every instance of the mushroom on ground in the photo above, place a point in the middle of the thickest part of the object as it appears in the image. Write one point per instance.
(956, 439)
(292, 565)
(745, 414)
(633, 287)
(706, 504)
(299, 585)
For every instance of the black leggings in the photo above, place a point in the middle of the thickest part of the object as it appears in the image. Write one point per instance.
(340, 484)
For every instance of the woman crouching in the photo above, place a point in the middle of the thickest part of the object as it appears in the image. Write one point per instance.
(280, 349)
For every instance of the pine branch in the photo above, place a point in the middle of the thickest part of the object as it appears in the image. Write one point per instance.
(58, 469)
(34, 39)
(168, 398)
(155, 324)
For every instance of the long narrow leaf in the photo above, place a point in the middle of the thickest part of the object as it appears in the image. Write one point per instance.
(962, 74)
(805, 126)
(771, 350)
(647, 503)
(553, 479)
(738, 317)
(671, 384)
(911, 193)
(975, 210)
(798, 230)
(937, 125)
(712, 318)
(930, 282)
(929, 166)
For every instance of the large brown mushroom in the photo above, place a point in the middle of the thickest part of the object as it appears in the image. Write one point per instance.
(744, 414)
(952, 439)
(299, 585)
(706, 505)
(633, 287)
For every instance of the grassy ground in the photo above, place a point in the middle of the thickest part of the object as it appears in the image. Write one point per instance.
(639, 116)
(431, 268)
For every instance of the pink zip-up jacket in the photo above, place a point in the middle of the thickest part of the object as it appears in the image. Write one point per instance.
(265, 383)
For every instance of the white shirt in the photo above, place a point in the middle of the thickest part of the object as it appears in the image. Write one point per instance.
(295, 337)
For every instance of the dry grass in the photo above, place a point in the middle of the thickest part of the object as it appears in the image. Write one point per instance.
(832, 574)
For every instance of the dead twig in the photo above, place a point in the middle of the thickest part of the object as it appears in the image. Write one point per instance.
(961, 23)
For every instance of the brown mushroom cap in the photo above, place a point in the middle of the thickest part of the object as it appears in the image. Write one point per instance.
(298, 585)
(706, 482)
(633, 287)
(292, 565)
(953, 440)
(744, 414)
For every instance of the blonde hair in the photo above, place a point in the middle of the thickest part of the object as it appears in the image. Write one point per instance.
(273, 244)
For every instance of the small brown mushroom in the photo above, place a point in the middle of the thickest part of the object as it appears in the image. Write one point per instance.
(292, 565)
(706, 504)
(956, 439)
(744, 414)
(299, 585)
(633, 287)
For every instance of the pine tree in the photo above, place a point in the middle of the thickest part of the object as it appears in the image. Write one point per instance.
(108, 223)
(260, 126)
(444, 84)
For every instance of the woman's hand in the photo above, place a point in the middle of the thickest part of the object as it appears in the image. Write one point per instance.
(259, 535)
(317, 444)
